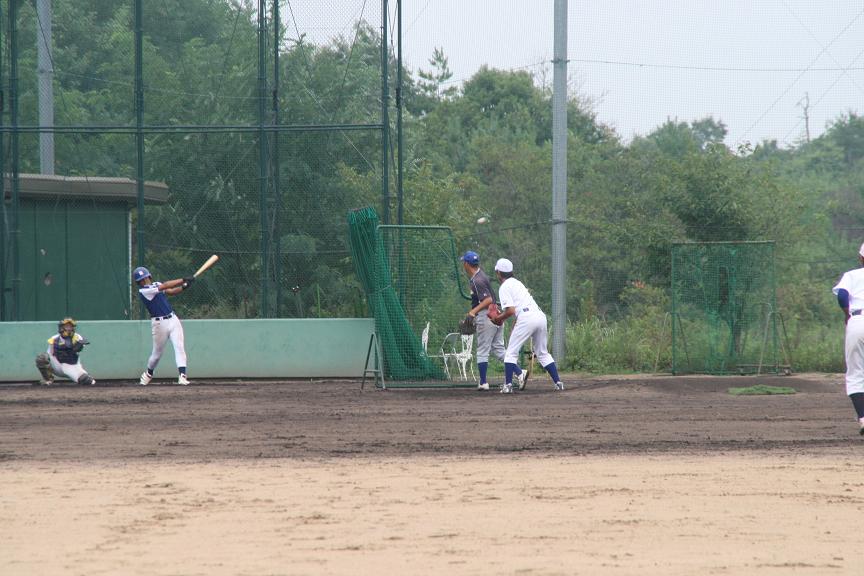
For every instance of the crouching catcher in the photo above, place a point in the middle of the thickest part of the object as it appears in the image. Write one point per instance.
(61, 358)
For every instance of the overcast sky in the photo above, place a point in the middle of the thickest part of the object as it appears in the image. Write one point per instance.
(749, 63)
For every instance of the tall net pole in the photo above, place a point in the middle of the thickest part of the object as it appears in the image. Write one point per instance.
(262, 157)
(45, 74)
(559, 181)
(15, 152)
(139, 134)
(385, 116)
(4, 214)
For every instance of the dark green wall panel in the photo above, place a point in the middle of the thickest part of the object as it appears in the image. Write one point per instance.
(74, 260)
(98, 261)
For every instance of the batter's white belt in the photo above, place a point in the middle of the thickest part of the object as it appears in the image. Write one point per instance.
(159, 318)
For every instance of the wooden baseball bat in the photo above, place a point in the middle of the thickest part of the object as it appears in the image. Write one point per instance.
(210, 261)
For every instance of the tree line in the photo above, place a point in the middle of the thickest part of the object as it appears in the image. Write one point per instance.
(480, 148)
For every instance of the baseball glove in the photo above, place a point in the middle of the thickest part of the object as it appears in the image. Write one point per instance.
(467, 326)
(494, 314)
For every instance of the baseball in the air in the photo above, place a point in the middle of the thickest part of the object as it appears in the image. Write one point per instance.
(482, 220)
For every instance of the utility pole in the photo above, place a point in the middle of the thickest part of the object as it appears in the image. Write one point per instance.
(559, 182)
(805, 105)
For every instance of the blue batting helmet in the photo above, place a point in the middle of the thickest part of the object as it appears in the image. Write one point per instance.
(140, 273)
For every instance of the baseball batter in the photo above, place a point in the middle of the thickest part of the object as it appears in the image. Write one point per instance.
(850, 295)
(530, 323)
(490, 338)
(62, 356)
(164, 323)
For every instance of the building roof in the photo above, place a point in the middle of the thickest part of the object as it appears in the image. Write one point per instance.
(86, 187)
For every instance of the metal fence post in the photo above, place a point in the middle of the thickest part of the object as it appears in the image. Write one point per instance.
(139, 132)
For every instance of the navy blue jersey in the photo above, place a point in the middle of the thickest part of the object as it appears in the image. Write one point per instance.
(155, 300)
(480, 288)
(63, 349)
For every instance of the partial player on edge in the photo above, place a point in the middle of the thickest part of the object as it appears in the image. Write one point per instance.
(490, 338)
(530, 323)
(62, 356)
(164, 323)
(850, 296)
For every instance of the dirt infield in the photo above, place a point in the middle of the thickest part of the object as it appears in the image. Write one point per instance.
(648, 475)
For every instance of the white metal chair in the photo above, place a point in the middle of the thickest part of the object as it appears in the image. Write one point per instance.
(459, 347)
(424, 338)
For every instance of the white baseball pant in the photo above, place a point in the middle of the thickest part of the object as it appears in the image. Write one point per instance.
(529, 324)
(855, 355)
(162, 331)
(71, 371)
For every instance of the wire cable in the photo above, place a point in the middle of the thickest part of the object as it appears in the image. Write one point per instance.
(798, 77)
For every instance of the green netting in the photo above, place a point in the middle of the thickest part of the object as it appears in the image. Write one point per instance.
(411, 278)
(253, 127)
(724, 308)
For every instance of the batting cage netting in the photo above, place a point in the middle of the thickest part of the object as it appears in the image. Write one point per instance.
(416, 292)
(724, 309)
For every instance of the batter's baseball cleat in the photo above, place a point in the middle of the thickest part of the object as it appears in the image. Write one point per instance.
(559, 386)
(183, 380)
(483, 386)
(45, 382)
(507, 389)
(521, 380)
(145, 378)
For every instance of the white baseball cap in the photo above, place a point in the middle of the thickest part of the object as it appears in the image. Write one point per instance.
(503, 265)
(861, 250)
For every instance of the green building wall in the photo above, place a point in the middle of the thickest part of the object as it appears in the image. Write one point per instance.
(266, 348)
(74, 259)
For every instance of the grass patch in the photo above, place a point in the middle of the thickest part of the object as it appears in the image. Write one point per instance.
(761, 390)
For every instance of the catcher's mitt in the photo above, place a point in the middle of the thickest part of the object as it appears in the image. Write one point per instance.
(467, 326)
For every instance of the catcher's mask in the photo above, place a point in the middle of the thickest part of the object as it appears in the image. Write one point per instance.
(66, 327)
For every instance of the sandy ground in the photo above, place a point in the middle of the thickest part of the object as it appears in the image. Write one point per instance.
(613, 476)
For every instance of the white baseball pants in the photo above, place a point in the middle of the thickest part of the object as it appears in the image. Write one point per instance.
(71, 371)
(855, 355)
(529, 324)
(162, 331)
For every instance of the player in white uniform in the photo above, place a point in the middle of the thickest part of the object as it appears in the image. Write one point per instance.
(490, 338)
(530, 323)
(850, 295)
(61, 358)
(164, 323)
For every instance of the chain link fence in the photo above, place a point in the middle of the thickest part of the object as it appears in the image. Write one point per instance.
(262, 120)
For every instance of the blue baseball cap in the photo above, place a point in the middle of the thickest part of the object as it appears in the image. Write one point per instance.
(471, 257)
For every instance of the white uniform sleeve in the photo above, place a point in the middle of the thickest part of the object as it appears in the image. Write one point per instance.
(506, 296)
(150, 291)
(844, 284)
